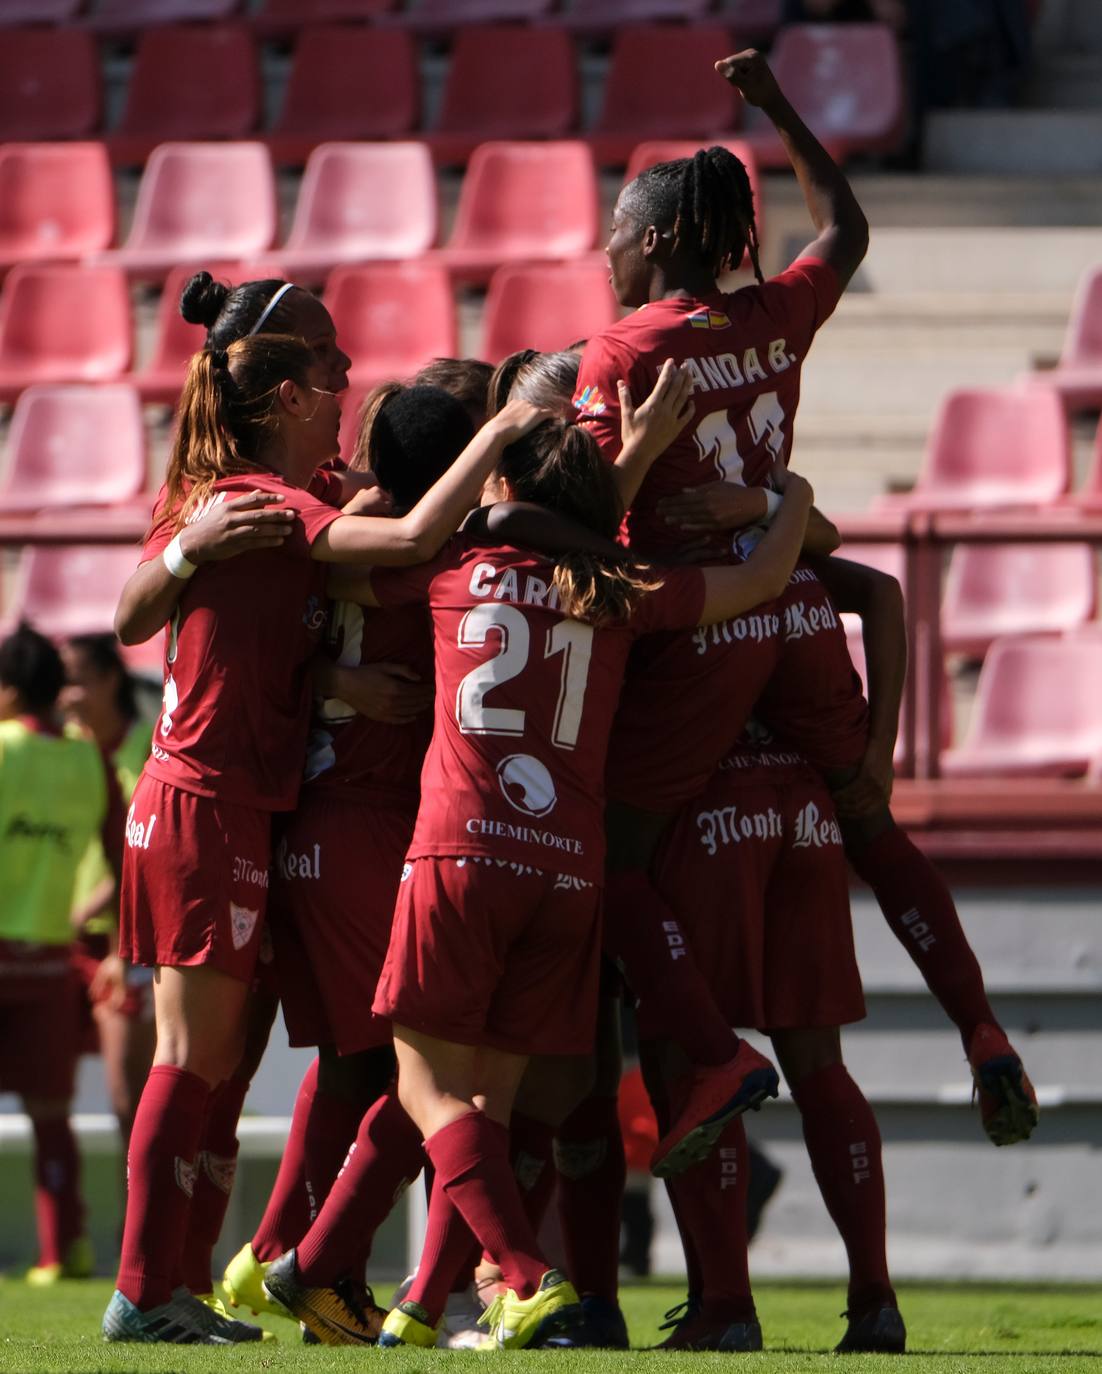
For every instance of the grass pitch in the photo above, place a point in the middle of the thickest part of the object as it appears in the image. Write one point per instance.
(981, 1329)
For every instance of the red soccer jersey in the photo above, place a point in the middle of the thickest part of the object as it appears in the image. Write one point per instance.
(350, 755)
(524, 704)
(745, 352)
(237, 692)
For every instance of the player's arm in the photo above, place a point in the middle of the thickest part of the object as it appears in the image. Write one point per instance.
(722, 506)
(249, 522)
(763, 577)
(524, 525)
(840, 224)
(421, 533)
(389, 692)
(878, 599)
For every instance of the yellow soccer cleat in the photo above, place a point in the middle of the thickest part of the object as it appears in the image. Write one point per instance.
(244, 1284)
(79, 1263)
(552, 1316)
(236, 1330)
(407, 1324)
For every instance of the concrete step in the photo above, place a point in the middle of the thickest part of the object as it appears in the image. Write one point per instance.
(1066, 80)
(1044, 142)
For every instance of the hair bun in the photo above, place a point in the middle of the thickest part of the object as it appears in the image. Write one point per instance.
(202, 300)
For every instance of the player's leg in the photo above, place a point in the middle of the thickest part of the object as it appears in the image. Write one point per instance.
(63, 1250)
(843, 1144)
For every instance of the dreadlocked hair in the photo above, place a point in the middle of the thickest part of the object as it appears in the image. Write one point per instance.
(228, 415)
(707, 202)
(558, 465)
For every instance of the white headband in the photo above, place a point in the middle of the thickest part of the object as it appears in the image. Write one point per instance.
(276, 298)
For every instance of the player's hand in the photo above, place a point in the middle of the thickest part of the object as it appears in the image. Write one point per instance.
(750, 74)
(108, 983)
(369, 501)
(255, 520)
(656, 423)
(386, 692)
(714, 506)
(871, 790)
(517, 418)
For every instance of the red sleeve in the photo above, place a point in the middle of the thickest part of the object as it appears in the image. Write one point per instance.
(327, 484)
(315, 515)
(805, 296)
(677, 605)
(604, 363)
(404, 586)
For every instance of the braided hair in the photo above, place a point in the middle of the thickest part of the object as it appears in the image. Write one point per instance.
(706, 202)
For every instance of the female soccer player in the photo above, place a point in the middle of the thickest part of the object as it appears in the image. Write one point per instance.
(227, 754)
(56, 796)
(507, 858)
(99, 701)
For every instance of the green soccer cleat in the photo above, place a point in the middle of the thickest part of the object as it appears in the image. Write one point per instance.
(218, 1307)
(244, 1284)
(407, 1324)
(552, 1316)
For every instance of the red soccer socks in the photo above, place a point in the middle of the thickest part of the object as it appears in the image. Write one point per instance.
(59, 1209)
(214, 1173)
(589, 1161)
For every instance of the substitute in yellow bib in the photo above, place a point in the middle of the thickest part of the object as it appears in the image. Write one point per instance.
(55, 795)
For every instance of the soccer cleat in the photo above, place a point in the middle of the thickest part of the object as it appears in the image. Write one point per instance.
(79, 1263)
(604, 1323)
(183, 1320)
(217, 1306)
(552, 1316)
(712, 1326)
(407, 1324)
(459, 1329)
(244, 1284)
(345, 1314)
(1008, 1103)
(880, 1331)
(715, 1095)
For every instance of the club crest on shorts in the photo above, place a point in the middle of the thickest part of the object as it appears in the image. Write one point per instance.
(243, 921)
(526, 785)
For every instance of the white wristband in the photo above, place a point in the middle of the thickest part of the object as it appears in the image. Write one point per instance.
(772, 503)
(175, 562)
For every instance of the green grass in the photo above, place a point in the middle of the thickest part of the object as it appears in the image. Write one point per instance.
(981, 1329)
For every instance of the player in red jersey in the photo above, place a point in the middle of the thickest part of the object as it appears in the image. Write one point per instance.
(755, 869)
(507, 857)
(227, 754)
(674, 228)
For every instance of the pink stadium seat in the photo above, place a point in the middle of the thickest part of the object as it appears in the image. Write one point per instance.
(546, 306)
(661, 83)
(1038, 711)
(523, 201)
(856, 644)
(351, 402)
(50, 85)
(347, 83)
(391, 318)
(505, 82)
(38, 11)
(885, 558)
(57, 200)
(845, 80)
(647, 154)
(278, 18)
(990, 449)
(124, 18)
(605, 16)
(752, 20)
(442, 16)
(198, 201)
(1006, 589)
(74, 446)
(188, 82)
(73, 589)
(361, 202)
(1090, 494)
(62, 323)
(1077, 377)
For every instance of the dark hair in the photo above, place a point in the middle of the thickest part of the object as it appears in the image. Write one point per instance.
(228, 313)
(32, 665)
(706, 202)
(558, 465)
(228, 413)
(503, 377)
(102, 652)
(467, 379)
(409, 436)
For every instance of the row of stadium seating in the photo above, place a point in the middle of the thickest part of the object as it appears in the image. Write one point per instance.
(126, 18)
(195, 82)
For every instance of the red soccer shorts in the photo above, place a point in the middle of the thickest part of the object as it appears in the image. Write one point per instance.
(490, 952)
(334, 885)
(194, 881)
(755, 871)
(88, 953)
(39, 1024)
